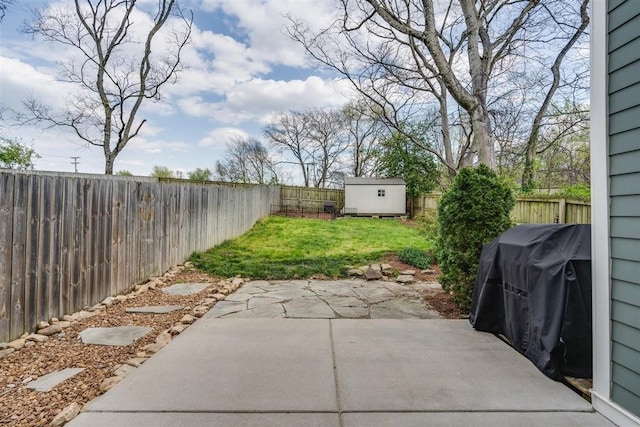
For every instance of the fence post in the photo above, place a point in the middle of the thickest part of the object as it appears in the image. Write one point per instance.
(562, 211)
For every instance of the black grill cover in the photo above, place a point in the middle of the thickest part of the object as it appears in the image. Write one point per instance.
(534, 287)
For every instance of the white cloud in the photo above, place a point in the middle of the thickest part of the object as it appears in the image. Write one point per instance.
(258, 99)
(265, 23)
(221, 136)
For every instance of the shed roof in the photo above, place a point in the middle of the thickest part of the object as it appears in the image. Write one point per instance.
(374, 181)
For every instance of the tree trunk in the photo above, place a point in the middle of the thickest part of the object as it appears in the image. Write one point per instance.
(482, 139)
(108, 163)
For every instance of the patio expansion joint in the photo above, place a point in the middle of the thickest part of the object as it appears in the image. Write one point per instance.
(335, 373)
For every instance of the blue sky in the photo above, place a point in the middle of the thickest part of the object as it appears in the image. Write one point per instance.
(242, 68)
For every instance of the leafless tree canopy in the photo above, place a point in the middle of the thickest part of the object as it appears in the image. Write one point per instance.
(246, 161)
(328, 144)
(116, 65)
(473, 61)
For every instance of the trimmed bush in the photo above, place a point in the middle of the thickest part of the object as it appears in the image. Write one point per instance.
(471, 213)
(415, 257)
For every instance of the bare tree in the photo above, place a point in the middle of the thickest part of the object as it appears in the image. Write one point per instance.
(408, 55)
(288, 134)
(316, 139)
(364, 131)
(247, 161)
(115, 71)
(534, 135)
(326, 134)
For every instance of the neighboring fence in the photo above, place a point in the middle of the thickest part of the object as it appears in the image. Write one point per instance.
(310, 198)
(528, 210)
(67, 241)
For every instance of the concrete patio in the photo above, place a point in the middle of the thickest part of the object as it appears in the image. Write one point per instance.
(337, 372)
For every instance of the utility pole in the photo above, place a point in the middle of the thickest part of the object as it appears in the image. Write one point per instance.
(75, 163)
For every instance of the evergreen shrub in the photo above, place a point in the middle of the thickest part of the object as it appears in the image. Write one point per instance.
(471, 213)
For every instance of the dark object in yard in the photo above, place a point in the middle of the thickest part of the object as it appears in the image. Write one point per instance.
(329, 207)
(534, 287)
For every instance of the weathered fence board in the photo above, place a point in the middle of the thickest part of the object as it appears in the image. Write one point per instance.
(68, 240)
(6, 243)
(528, 210)
(310, 197)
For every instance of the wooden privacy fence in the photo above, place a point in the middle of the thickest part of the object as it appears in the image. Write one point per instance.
(311, 198)
(528, 210)
(68, 241)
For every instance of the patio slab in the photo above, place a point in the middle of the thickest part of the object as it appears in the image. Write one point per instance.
(438, 365)
(234, 365)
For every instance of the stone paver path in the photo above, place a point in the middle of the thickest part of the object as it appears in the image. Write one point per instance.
(326, 299)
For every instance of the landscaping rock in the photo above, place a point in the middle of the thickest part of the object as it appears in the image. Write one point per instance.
(108, 384)
(66, 415)
(405, 278)
(7, 351)
(124, 370)
(164, 338)
(49, 381)
(50, 330)
(88, 314)
(187, 319)
(17, 344)
(373, 274)
(408, 272)
(37, 338)
(136, 361)
(355, 272)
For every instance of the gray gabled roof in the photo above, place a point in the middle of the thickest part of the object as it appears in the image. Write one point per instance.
(374, 181)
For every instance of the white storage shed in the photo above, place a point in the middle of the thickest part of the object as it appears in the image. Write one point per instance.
(375, 196)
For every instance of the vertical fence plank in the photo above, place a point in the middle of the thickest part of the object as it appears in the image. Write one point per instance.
(6, 251)
(55, 246)
(18, 258)
(66, 245)
(31, 249)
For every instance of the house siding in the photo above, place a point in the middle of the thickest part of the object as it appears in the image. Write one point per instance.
(624, 192)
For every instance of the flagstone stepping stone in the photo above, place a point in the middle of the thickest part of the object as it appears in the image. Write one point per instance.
(49, 381)
(118, 335)
(155, 309)
(185, 288)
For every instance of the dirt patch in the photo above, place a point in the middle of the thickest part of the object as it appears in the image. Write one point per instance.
(436, 298)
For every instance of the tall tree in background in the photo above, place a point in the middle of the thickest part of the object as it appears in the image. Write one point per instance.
(14, 155)
(400, 158)
(288, 133)
(364, 130)
(326, 135)
(247, 160)
(200, 174)
(409, 55)
(112, 65)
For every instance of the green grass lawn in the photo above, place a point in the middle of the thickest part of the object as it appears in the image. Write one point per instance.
(287, 248)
